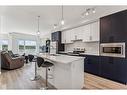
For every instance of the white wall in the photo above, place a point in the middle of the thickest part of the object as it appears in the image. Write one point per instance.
(18, 24)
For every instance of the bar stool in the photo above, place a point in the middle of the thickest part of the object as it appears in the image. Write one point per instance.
(33, 59)
(44, 64)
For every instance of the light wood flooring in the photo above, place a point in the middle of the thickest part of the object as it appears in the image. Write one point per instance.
(20, 79)
(95, 82)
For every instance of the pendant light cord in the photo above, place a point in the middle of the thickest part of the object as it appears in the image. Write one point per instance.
(62, 12)
(38, 24)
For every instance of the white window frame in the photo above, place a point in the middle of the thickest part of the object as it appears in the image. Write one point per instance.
(25, 45)
(2, 44)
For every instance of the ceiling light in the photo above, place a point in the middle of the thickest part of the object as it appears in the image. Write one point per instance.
(93, 10)
(55, 26)
(62, 19)
(62, 22)
(87, 13)
(38, 32)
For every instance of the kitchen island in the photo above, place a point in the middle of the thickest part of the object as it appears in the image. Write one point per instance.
(67, 72)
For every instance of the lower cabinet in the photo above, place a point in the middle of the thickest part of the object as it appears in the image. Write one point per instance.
(92, 65)
(120, 65)
(107, 67)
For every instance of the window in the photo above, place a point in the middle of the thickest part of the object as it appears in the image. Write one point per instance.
(4, 45)
(30, 46)
(27, 46)
(21, 46)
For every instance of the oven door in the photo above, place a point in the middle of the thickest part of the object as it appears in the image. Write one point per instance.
(113, 49)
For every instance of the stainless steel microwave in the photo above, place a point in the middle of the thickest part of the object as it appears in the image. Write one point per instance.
(112, 49)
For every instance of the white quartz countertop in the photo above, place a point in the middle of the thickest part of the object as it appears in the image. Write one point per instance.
(59, 58)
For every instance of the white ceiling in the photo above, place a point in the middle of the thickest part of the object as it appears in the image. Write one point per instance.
(24, 18)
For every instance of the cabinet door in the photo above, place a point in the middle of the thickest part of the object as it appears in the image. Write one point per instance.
(92, 65)
(120, 70)
(107, 67)
(79, 33)
(72, 34)
(68, 37)
(56, 36)
(64, 37)
(76, 33)
(86, 33)
(94, 31)
(106, 29)
(119, 26)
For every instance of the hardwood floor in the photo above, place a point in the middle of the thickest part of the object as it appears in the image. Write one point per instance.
(95, 82)
(20, 79)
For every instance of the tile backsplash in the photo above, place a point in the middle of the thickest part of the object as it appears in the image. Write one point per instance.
(90, 47)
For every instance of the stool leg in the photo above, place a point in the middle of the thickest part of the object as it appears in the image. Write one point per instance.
(36, 77)
(46, 77)
(46, 80)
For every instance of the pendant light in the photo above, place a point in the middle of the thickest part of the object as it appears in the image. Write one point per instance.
(62, 19)
(38, 32)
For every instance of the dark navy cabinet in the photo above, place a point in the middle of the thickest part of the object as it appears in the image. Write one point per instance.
(107, 67)
(119, 28)
(105, 29)
(113, 27)
(120, 66)
(92, 65)
(112, 68)
(56, 36)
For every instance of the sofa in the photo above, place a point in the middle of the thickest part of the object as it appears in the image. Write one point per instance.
(9, 62)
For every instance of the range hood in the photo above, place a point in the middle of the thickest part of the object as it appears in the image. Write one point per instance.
(76, 40)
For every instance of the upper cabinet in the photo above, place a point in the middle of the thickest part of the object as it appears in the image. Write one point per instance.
(76, 34)
(91, 32)
(95, 34)
(113, 28)
(56, 36)
(66, 37)
(86, 33)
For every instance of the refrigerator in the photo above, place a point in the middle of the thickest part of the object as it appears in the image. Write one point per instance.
(54, 47)
(47, 46)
